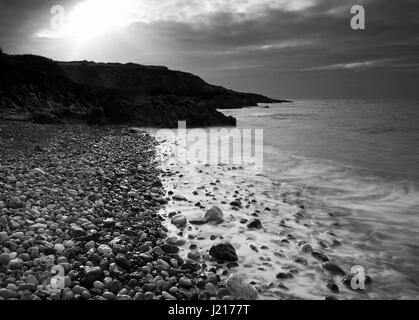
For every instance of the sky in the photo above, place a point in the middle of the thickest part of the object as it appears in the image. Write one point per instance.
(281, 48)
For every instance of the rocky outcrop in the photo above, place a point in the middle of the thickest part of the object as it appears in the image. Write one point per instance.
(143, 80)
(38, 89)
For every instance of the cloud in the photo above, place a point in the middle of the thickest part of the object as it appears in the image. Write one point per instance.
(238, 40)
(352, 65)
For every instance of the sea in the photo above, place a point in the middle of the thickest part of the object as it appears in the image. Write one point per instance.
(355, 160)
(339, 175)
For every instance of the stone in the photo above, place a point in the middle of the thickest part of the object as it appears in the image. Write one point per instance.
(255, 224)
(77, 232)
(185, 282)
(211, 289)
(4, 259)
(110, 222)
(39, 171)
(92, 274)
(90, 245)
(306, 248)
(167, 296)
(3, 237)
(68, 295)
(37, 226)
(333, 268)
(18, 235)
(236, 203)
(31, 279)
(7, 294)
(98, 285)
(15, 203)
(179, 220)
(59, 247)
(284, 275)
(115, 286)
(150, 287)
(15, 264)
(239, 289)
(179, 198)
(163, 264)
(149, 295)
(320, 256)
(214, 214)
(104, 249)
(332, 286)
(169, 248)
(198, 222)
(194, 255)
(108, 296)
(223, 252)
(122, 261)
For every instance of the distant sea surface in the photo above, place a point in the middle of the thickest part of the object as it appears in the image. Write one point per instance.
(356, 159)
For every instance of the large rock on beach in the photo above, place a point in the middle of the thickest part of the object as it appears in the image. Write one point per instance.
(223, 252)
(214, 214)
(179, 220)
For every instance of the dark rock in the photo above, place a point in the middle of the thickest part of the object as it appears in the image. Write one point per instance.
(169, 248)
(333, 268)
(255, 224)
(77, 232)
(320, 256)
(223, 252)
(122, 261)
(92, 274)
(115, 286)
(332, 286)
(236, 203)
(179, 198)
(284, 276)
(197, 222)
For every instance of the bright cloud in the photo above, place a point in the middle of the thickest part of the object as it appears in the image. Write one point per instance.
(91, 18)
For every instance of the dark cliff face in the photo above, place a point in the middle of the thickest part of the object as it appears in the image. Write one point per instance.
(39, 89)
(158, 81)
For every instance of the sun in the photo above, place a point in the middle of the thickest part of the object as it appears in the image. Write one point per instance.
(92, 18)
(96, 17)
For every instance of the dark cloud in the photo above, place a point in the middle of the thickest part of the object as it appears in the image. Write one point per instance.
(311, 52)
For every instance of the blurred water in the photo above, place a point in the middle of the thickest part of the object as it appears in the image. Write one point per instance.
(358, 159)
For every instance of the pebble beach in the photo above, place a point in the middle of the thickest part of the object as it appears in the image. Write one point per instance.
(123, 222)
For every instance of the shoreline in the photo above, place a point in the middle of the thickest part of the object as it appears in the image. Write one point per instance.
(283, 251)
(85, 199)
(95, 201)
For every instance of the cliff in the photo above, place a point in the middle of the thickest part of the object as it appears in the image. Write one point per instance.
(45, 91)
